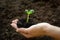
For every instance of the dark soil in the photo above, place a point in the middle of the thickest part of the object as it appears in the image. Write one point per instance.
(22, 23)
(45, 11)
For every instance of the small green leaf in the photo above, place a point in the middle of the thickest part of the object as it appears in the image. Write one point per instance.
(29, 11)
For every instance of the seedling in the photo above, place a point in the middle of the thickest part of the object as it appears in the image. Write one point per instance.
(28, 12)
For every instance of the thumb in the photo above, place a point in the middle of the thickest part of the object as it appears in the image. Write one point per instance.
(22, 30)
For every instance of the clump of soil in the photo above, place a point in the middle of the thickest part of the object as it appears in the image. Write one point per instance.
(23, 23)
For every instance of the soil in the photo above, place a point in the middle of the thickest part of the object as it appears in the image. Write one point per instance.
(45, 11)
(23, 23)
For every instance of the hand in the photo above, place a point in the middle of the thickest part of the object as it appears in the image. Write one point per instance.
(39, 29)
(32, 31)
(35, 30)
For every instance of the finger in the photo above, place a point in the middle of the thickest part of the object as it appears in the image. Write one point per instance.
(26, 35)
(14, 25)
(15, 21)
(24, 32)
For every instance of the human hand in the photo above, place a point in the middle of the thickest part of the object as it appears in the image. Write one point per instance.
(32, 31)
(39, 29)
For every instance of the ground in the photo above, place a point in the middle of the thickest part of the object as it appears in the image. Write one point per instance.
(45, 11)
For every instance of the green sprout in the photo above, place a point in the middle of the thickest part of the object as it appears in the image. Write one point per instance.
(29, 12)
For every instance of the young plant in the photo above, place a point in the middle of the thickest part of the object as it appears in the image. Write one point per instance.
(28, 12)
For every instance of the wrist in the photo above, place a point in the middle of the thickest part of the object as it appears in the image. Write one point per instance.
(53, 31)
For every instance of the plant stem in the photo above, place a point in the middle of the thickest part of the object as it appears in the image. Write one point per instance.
(27, 18)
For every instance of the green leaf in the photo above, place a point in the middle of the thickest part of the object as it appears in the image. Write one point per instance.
(29, 11)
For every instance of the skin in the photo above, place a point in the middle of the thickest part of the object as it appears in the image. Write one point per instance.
(37, 30)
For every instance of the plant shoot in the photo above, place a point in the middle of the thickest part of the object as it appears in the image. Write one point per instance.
(28, 12)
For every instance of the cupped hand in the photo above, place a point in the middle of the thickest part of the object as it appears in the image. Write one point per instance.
(33, 31)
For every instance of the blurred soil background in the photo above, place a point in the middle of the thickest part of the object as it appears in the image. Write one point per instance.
(45, 11)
